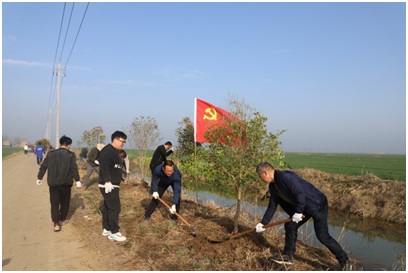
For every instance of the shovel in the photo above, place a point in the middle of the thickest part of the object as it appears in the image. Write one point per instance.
(193, 232)
(236, 235)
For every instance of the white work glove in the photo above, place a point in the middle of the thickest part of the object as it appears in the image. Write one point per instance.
(108, 187)
(78, 184)
(128, 172)
(39, 182)
(155, 195)
(96, 162)
(173, 209)
(259, 228)
(297, 217)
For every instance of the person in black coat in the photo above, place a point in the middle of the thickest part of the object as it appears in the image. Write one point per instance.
(62, 171)
(302, 201)
(110, 177)
(160, 155)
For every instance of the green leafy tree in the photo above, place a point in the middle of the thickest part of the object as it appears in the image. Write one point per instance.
(185, 138)
(237, 146)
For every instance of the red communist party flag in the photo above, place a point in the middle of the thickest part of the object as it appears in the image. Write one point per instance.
(206, 115)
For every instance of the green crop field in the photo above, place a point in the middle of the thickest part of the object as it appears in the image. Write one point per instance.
(381, 165)
(384, 166)
(6, 151)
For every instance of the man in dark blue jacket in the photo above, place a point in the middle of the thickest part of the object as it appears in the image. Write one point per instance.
(302, 201)
(165, 175)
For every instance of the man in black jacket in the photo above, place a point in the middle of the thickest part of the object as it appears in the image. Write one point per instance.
(62, 171)
(302, 201)
(160, 155)
(110, 176)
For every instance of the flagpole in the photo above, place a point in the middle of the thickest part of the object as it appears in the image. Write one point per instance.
(195, 149)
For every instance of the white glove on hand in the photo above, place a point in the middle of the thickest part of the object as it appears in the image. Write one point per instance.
(96, 162)
(297, 217)
(39, 182)
(155, 195)
(259, 228)
(78, 184)
(173, 209)
(108, 187)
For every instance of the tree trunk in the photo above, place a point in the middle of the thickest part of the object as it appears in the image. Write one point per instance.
(238, 211)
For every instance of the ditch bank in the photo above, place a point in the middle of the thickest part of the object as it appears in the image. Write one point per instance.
(363, 196)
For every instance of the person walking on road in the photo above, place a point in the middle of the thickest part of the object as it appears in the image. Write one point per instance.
(160, 155)
(62, 172)
(40, 152)
(165, 175)
(110, 176)
(92, 163)
(25, 149)
(302, 201)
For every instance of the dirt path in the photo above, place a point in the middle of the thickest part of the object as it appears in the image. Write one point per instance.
(29, 242)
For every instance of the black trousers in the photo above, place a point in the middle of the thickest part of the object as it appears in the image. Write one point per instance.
(110, 210)
(60, 198)
(153, 204)
(321, 229)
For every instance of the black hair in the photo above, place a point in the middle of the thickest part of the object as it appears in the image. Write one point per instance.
(168, 143)
(118, 134)
(123, 152)
(263, 166)
(168, 163)
(65, 141)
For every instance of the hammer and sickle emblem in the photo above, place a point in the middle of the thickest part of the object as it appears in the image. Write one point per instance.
(212, 114)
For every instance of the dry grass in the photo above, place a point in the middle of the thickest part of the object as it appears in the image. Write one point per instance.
(161, 244)
(364, 196)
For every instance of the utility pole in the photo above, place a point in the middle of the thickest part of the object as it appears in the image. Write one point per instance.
(58, 105)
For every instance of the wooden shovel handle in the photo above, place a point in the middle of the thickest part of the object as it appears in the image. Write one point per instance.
(265, 226)
(178, 215)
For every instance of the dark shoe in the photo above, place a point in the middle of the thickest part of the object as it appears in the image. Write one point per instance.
(147, 218)
(282, 259)
(346, 266)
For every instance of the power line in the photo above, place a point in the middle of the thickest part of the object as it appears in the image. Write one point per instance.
(51, 96)
(80, 26)
(58, 72)
(66, 32)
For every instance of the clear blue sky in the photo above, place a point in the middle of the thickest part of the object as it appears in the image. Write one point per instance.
(332, 74)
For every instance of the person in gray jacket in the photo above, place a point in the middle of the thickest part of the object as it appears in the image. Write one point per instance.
(92, 163)
(62, 172)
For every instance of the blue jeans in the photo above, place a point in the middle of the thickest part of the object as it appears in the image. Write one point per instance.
(322, 233)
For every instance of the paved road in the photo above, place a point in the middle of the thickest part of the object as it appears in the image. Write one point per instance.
(29, 242)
